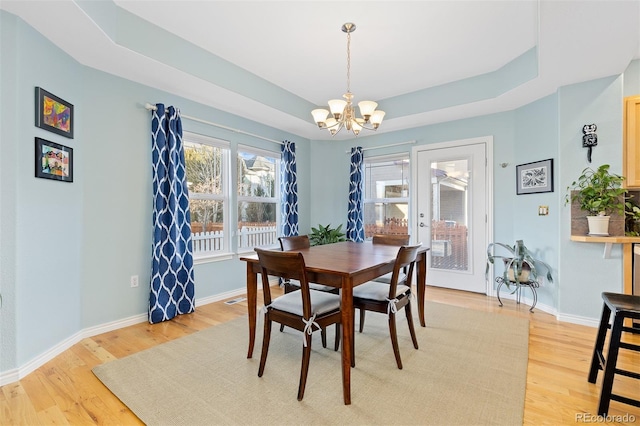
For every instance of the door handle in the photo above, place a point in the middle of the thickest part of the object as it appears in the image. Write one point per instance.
(422, 225)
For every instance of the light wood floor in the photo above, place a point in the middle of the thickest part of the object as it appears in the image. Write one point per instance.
(65, 391)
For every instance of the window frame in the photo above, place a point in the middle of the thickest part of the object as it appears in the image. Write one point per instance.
(388, 200)
(226, 252)
(275, 199)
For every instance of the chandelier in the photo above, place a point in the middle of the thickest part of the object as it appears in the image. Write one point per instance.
(342, 111)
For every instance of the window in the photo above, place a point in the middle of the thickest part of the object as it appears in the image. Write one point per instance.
(386, 195)
(207, 163)
(258, 192)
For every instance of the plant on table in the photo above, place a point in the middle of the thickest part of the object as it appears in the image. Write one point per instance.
(326, 235)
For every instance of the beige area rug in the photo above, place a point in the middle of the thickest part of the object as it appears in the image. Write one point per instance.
(470, 370)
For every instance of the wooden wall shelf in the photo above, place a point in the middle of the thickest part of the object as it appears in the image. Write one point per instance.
(608, 242)
(627, 254)
(615, 240)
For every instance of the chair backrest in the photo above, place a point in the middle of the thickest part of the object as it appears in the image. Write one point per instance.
(295, 242)
(406, 257)
(287, 265)
(391, 239)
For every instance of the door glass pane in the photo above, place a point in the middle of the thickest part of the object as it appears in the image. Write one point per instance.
(450, 216)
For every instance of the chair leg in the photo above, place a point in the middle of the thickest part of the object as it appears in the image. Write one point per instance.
(412, 330)
(598, 348)
(394, 339)
(353, 340)
(265, 344)
(323, 335)
(281, 328)
(337, 342)
(362, 312)
(610, 365)
(304, 370)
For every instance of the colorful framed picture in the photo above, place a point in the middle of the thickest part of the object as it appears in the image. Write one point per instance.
(53, 161)
(53, 113)
(532, 178)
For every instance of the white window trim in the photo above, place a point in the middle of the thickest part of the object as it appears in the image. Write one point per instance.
(226, 253)
(276, 199)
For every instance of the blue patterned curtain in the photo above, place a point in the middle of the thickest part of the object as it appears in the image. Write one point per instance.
(172, 284)
(355, 218)
(289, 190)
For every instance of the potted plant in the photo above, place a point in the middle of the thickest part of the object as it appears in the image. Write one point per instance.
(326, 235)
(600, 193)
(518, 262)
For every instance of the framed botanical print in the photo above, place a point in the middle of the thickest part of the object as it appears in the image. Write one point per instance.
(532, 178)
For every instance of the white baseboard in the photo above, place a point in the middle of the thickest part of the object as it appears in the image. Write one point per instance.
(16, 374)
(19, 373)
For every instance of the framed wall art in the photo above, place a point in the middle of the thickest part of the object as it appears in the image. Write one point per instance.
(53, 161)
(53, 113)
(532, 178)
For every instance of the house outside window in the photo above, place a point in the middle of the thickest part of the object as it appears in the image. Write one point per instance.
(208, 171)
(386, 195)
(258, 198)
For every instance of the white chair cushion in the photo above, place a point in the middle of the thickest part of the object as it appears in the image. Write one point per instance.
(374, 290)
(321, 302)
(313, 286)
(387, 278)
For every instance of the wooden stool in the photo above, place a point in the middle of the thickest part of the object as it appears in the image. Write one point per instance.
(622, 306)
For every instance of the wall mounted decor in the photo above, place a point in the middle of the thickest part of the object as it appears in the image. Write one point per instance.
(53, 113)
(53, 161)
(535, 177)
(589, 138)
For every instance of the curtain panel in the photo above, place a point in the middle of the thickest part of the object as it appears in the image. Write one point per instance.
(289, 190)
(355, 214)
(172, 281)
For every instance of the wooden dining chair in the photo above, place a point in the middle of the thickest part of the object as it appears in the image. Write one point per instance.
(298, 242)
(305, 310)
(390, 240)
(390, 298)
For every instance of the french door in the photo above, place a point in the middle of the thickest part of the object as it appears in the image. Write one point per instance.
(453, 215)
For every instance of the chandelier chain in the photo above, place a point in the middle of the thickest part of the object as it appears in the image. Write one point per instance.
(348, 62)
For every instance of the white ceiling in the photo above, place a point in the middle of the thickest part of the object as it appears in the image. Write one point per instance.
(399, 48)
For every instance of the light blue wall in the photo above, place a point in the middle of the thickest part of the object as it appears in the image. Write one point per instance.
(49, 213)
(67, 249)
(584, 274)
(8, 194)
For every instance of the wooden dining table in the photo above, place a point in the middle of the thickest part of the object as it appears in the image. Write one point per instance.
(343, 265)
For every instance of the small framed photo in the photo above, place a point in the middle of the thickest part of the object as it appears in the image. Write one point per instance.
(532, 178)
(53, 113)
(53, 161)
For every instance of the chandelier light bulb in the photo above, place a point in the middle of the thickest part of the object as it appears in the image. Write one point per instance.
(342, 112)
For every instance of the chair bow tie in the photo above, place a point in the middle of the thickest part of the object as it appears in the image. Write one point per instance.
(308, 328)
(392, 308)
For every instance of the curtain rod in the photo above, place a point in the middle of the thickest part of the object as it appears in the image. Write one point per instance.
(151, 107)
(385, 146)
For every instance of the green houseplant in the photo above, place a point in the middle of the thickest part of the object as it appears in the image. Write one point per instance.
(600, 193)
(519, 262)
(326, 235)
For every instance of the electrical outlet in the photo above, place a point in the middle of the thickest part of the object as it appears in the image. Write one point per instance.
(134, 281)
